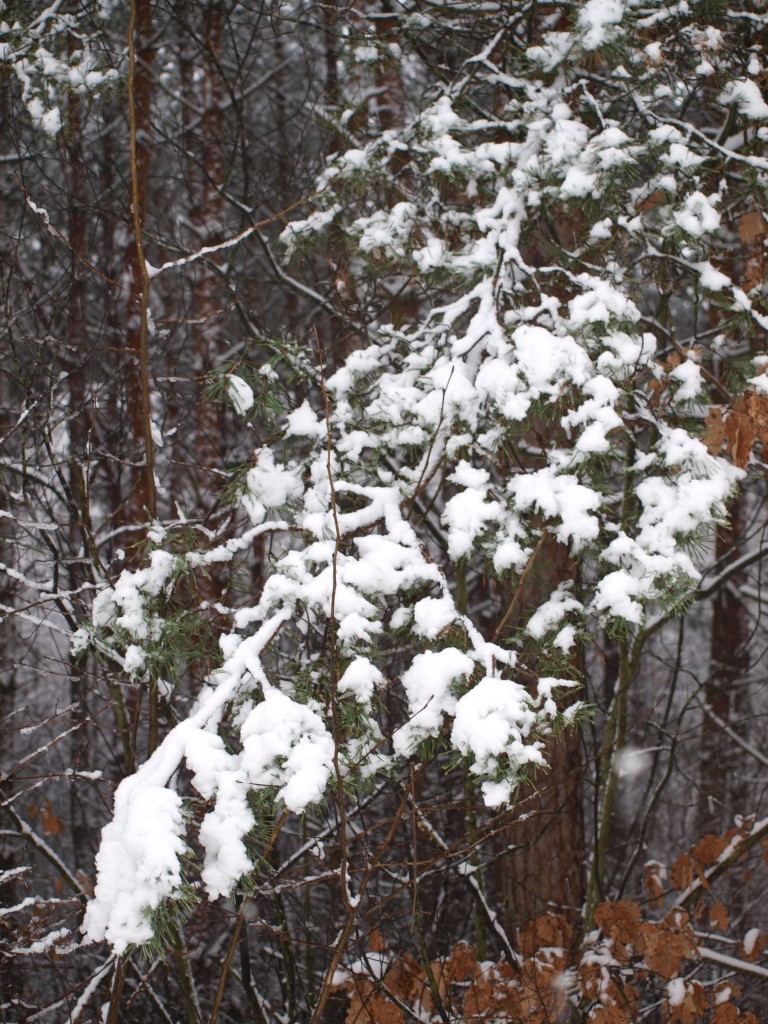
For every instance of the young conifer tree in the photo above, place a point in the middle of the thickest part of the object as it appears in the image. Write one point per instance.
(561, 207)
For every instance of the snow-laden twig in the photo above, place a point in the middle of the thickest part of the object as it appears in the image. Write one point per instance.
(7, 609)
(138, 861)
(209, 250)
(738, 740)
(29, 758)
(88, 991)
(739, 565)
(40, 844)
(732, 961)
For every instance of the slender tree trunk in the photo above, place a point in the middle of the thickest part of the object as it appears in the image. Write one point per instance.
(80, 425)
(140, 499)
(10, 975)
(209, 298)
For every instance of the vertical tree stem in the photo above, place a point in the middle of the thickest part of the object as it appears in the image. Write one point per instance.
(150, 494)
(141, 263)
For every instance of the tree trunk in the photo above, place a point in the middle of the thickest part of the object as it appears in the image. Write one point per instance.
(140, 499)
(209, 300)
(544, 866)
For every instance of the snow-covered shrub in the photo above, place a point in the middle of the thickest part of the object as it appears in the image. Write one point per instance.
(542, 398)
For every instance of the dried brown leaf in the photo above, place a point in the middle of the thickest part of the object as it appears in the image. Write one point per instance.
(714, 431)
(478, 1000)
(546, 931)
(406, 979)
(619, 919)
(718, 916)
(373, 1008)
(653, 883)
(653, 200)
(752, 227)
(740, 436)
(681, 873)
(756, 406)
(461, 964)
(608, 1015)
(52, 826)
(708, 849)
(620, 922)
(726, 1013)
(665, 945)
(753, 273)
(744, 425)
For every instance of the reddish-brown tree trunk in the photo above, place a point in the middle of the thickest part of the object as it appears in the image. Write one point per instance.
(722, 787)
(544, 867)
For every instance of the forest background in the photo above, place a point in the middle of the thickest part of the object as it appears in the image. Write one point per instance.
(383, 417)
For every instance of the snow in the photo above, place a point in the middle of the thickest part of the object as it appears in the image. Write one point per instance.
(222, 830)
(548, 361)
(127, 605)
(432, 615)
(386, 231)
(578, 183)
(467, 513)
(750, 940)
(550, 614)
(615, 596)
(239, 393)
(269, 486)
(698, 214)
(682, 156)
(361, 678)
(565, 639)
(746, 96)
(134, 659)
(712, 279)
(50, 122)
(305, 422)
(561, 497)
(632, 763)
(138, 864)
(286, 745)
(492, 720)
(688, 376)
(600, 302)
(597, 19)
(139, 860)
(676, 991)
(429, 685)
